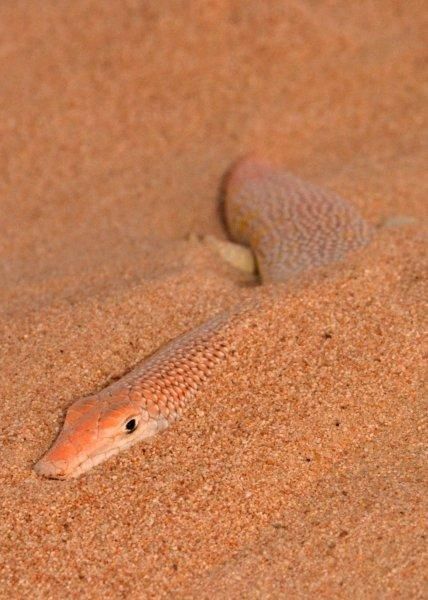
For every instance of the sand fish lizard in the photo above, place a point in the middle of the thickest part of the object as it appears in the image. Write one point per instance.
(291, 227)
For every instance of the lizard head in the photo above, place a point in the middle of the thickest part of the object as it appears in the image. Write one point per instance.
(93, 431)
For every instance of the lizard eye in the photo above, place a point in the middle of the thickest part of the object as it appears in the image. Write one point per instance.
(131, 425)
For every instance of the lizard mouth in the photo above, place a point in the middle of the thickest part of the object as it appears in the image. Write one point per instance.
(62, 469)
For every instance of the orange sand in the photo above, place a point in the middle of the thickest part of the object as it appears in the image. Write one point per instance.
(299, 473)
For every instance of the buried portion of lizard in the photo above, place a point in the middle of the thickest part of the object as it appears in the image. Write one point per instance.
(291, 227)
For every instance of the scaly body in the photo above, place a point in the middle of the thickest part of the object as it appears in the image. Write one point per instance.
(291, 227)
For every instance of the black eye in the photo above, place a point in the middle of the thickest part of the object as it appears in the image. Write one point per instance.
(131, 425)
